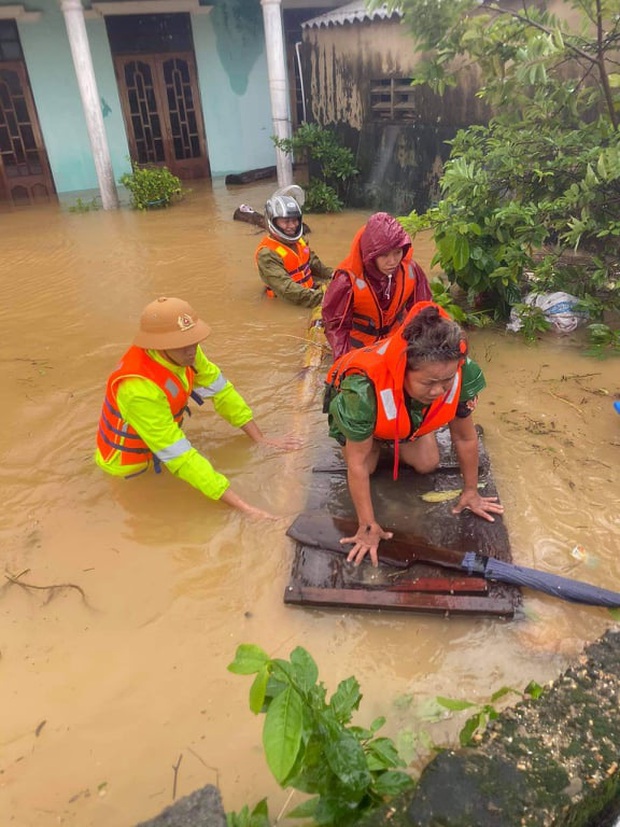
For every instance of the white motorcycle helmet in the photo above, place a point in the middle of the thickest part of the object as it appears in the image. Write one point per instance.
(283, 205)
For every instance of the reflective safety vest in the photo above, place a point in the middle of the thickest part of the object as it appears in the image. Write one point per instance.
(296, 260)
(384, 364)
(370, 322)
(115, 434)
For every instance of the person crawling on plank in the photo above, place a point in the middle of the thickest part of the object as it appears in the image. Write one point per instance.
(399, 391)
(146, 399)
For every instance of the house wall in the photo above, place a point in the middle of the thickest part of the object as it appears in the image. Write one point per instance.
(232, 74)
(400, 161)
(234, 86)
(57, 98)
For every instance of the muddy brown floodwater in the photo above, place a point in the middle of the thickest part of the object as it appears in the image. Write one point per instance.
(104, 689)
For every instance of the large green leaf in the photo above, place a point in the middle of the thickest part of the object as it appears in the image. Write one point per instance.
(392, 782)
(346, 759)
(248, 659)
(382, 755)
(306, 671)
(460, 257)
(282, 733)
(258, 691)
(346, 699)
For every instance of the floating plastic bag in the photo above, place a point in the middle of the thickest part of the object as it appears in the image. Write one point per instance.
(559, 310)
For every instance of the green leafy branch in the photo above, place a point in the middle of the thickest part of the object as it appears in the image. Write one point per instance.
(333, 164)
(477, 723)
(310, 744)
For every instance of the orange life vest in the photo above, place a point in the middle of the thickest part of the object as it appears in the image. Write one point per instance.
(115, 434)
(296, 260)
(384, 364)
(370, 322)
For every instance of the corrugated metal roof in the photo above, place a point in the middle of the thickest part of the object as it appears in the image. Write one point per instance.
(351, 13)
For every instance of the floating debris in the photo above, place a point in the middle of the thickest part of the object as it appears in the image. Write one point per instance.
(579, 553)
(444, 496)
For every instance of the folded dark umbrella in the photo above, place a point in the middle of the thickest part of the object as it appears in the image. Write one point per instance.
(566, 589)
(321, 530)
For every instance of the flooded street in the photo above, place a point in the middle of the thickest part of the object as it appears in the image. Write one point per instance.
(106, 683)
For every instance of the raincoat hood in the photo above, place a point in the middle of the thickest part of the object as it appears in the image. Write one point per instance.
(381, 234)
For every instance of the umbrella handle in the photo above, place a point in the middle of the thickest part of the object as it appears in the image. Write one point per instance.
(474, 563)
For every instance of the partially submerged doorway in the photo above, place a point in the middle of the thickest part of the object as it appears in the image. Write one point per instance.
(25, 176)
(158, 85)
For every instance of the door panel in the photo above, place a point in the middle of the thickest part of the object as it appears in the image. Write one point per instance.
(146, 139)
(161, 105)
(25, 177)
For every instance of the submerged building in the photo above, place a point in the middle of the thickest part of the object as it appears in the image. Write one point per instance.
(201, 86)
(358, 66)
(85, 86)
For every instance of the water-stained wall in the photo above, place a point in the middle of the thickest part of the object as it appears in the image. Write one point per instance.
(234, 85)
(232, 77)
(400, 148)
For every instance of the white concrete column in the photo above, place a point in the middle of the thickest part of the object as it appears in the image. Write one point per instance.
(82, 60)
(278, 85)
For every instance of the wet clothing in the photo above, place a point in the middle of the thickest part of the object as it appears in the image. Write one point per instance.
(386, 299)
(353, 411)
(366, 395)
(292, 271)
(295, 258)
(371, 322)
(117, 435)
(143, 403)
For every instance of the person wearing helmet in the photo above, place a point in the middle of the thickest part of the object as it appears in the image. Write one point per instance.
(374, 287)
(287, 266)
(147, 395)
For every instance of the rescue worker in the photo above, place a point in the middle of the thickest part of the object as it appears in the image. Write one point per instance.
(147, 396)
(399, 391)
(374, 287)
(288, 267)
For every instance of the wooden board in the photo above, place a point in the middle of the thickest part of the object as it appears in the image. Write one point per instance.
(320, 577)
(250, 176)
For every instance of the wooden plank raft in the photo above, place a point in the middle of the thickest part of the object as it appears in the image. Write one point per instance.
(403, 581)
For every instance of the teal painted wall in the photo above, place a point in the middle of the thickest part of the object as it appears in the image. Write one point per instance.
(234, 87)
(57, 97)
(232, 74)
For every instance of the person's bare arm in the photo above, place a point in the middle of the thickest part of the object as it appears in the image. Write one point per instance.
(288, 442)
(361, 459)
(235, 501)
(465, 441)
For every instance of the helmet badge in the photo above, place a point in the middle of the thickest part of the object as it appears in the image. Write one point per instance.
(185, 322)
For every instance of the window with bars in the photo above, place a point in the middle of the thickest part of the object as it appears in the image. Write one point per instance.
(392, 99)
(10, 47)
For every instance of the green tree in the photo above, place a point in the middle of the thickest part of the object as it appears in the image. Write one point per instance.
(331, 165)
(541, 181)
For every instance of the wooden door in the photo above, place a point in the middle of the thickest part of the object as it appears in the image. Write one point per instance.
(163, 116)
(25, 176)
